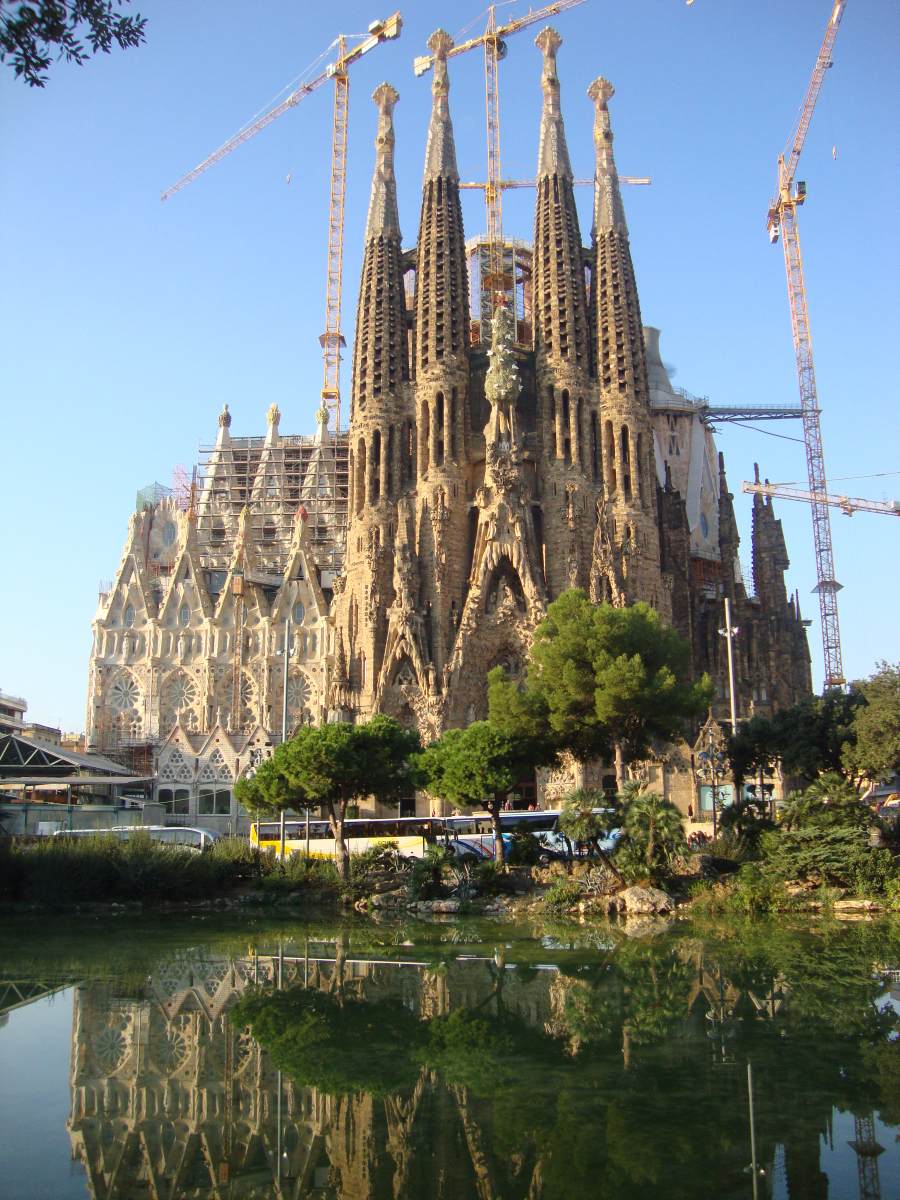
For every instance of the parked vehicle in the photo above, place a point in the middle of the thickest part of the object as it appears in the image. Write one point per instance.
(184, 837)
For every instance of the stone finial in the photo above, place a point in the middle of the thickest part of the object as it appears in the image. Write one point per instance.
(440, 152)
(440, 44)
(225, 418)
(383, 220)
(548, 42)
(273, 414)
(600, 91)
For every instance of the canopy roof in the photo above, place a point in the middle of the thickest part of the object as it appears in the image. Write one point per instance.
(21, 756)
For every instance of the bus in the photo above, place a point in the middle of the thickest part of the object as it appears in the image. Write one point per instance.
(184, 837)
(410, 835)
(542, 824)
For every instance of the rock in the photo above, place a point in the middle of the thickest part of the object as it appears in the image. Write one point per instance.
(388, 899)
(646, 900)
(856, 906)
(445, 906)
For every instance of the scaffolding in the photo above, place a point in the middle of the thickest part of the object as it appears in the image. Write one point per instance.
(516, 276)
(305, 475)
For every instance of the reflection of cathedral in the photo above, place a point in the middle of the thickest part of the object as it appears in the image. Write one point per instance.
(169, 1099)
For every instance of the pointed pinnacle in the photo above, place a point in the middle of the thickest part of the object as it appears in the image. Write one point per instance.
(609, 212)
(440, 151)
(383, 218)
(553, 153)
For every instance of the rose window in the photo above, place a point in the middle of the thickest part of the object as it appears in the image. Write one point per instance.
(124, 694)
(181, 692)
(298, 692)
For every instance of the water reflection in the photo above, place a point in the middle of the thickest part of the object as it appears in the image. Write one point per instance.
(581, 1065)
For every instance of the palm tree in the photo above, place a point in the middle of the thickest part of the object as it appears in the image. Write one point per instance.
(654, 830)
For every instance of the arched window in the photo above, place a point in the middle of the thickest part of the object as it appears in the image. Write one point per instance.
(425, 440)
(375, 468)
(389, 480)
(609, 450)
(360, 474)
(128, 616)
(168, 533)
(439, 430)
(567, 427)
(298, 614)
(184, 615)
(551, 418)
(595, 448)
(625, 447)
(452, 428)
(639, 466)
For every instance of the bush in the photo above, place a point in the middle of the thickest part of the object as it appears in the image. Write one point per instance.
(563, 895)
(490, 879)
(525, 849)
(297, 874)
(426, 879)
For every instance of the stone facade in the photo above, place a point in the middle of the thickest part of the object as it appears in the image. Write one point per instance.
(493, 460)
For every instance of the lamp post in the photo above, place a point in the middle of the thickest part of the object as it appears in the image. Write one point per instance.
(711, 764)
(729, 633)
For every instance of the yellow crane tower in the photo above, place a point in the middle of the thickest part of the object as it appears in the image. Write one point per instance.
(332, 339)
(492, 40)
(782, 220)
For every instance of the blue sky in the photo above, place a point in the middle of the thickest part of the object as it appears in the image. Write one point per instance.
(127, 323)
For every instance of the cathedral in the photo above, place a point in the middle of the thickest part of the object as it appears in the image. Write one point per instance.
(513, 433)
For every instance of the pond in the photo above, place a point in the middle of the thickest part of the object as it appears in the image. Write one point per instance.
(209, 1058)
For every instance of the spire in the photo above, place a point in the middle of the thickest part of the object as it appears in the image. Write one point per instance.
(440, 152)
(621, 361)
(561, 327)
(380, 361)
(442, 293)
(609, 212)
(553, 153)
(384, 220)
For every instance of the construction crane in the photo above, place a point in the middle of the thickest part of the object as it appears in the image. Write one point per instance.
(847, 504)
(332, 339)
(782, 220)
(494, 50)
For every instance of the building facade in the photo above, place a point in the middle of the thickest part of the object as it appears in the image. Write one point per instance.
(513, 433)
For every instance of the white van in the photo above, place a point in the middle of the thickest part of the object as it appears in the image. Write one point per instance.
(184, 837)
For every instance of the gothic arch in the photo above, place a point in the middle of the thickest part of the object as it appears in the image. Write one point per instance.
(504, 588)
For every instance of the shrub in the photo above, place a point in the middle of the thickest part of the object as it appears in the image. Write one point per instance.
(426, 879)
(298, 874)
(490, 879)
(525, 849)
(563, 895)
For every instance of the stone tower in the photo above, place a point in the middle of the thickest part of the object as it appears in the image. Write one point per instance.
(627, 558)
(381, 432)
(568, 414)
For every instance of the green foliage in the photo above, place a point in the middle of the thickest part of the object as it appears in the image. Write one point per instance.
(30, 37)
(562, 895)
(835, 856)
(427, 877)
(654, 834)
(577, 820)
(268, 792)
(334, 765)
(316, 878)
(808, 739)
(829, 802)
(490, 879)
(479, 766)
(58, 872)
(601, 677)
(524, 849)
(316, 1039)
(875, 752)
(741, 825)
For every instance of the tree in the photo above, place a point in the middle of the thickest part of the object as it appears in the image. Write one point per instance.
(809, 738)
(479, 766)
(268, 791)
(605, 680)
(875, 752)
(30, 35)
(334, 765)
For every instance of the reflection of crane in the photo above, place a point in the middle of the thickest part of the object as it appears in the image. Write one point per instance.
(867, 1151)
(331, 340)
(847, 504)
(782, 219)
(494, 49)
